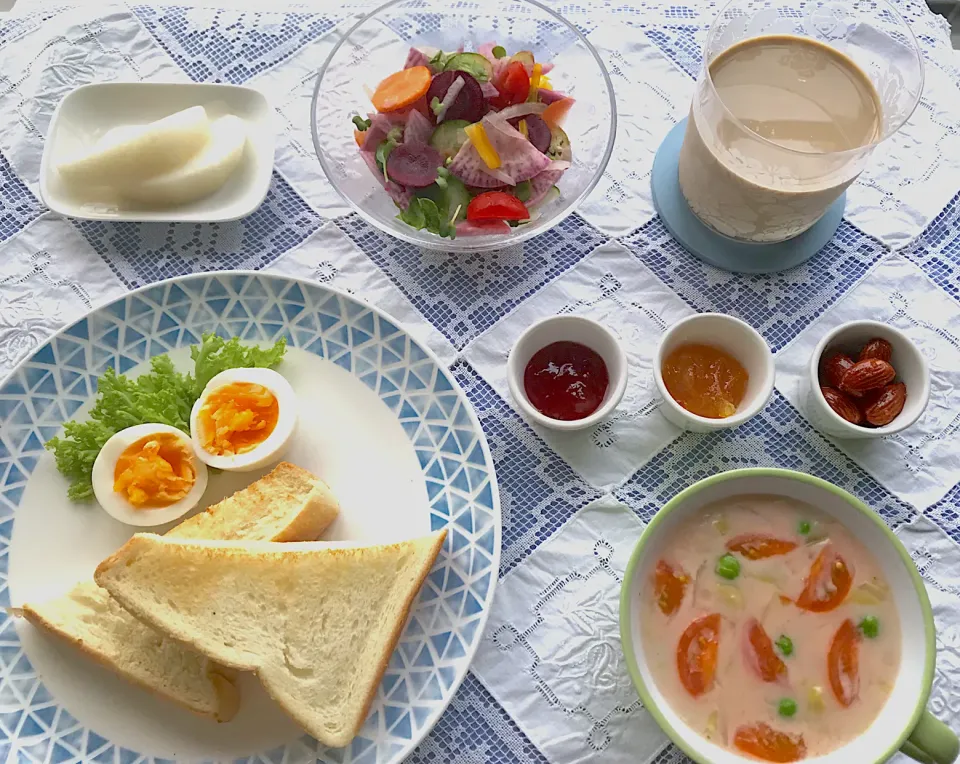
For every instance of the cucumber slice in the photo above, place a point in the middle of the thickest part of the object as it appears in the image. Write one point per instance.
(471, 63)
(559, 145)
(525, 57)
(449, 137)
(457, 198)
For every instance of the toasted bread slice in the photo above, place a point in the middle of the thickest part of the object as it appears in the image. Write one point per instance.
(317, 624)
(287, 504)
(95, 623)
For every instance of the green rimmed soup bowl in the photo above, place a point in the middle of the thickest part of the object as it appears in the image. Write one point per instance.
(903, 723)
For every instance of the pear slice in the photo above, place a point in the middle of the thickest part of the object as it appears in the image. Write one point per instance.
(200, 176)
(131, 153)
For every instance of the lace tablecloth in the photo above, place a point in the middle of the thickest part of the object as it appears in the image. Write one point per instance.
(548, 683)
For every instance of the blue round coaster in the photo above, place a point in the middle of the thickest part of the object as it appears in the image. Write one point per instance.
(717, 249)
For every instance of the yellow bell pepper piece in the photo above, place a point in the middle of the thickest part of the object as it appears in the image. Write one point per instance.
(545, 82)
(478, 137)
(522, 127)
(535, 82)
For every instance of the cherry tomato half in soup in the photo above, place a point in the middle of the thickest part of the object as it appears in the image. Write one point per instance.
(764, 742)
(697, 654)
(669, 585)
(759, 546)
(760, 655)
(843, 664)
(827, 584)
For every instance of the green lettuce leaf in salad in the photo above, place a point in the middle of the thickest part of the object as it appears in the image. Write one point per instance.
(440, 60)
(161, 396)
(423, 213)
(439, 206)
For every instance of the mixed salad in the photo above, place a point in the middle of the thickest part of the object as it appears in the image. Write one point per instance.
(467, 143)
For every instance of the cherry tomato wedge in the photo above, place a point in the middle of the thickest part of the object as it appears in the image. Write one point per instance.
(766, 743)
(759, 546)
(669, 584)
(512, 85)
(827, 584)
(697, 654)
(496, 205)
(843, 664)
(760, 655)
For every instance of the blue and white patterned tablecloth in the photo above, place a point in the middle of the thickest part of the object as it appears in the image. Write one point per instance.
(548, 683)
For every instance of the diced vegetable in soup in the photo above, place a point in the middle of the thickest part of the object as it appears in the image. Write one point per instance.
(770, 628)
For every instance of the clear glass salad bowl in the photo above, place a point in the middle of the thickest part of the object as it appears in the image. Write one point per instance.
(377, 46)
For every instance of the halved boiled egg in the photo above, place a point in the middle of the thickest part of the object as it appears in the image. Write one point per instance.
(148, 475)
(243, 419)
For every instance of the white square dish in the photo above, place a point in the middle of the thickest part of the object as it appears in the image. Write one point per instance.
(86, 113)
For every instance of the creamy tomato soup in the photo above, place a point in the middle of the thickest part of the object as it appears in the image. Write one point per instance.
(770, 628)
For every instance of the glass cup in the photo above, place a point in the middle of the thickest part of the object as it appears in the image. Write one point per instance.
(759, 187)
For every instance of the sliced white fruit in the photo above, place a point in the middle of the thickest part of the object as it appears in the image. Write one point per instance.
(132, 153)
(206, 172)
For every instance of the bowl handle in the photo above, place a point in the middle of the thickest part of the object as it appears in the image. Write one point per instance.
(932, 742)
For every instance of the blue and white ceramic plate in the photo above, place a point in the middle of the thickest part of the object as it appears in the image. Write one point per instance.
(381, 420)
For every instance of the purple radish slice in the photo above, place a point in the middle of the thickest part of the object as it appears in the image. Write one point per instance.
(469, 103)
(414, 164)
(481, 227)
(542, 182)
(416, 57)
(538, 133)
(419, 129)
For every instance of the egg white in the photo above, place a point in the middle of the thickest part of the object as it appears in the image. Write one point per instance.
(272, 448)
(116, 505)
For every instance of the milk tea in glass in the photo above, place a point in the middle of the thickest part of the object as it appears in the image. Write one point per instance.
(791, 101)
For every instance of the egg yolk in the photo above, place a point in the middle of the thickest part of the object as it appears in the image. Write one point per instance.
(237, 417)
(154, 472)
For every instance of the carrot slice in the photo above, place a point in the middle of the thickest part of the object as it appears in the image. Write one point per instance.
(402, 88)
(556, 112)
(359, 136)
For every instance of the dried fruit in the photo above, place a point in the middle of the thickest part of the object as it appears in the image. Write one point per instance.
(863, 392)
(842, 405)
(835, 367)
(876, 348)
(887, 405)
(867, 374)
